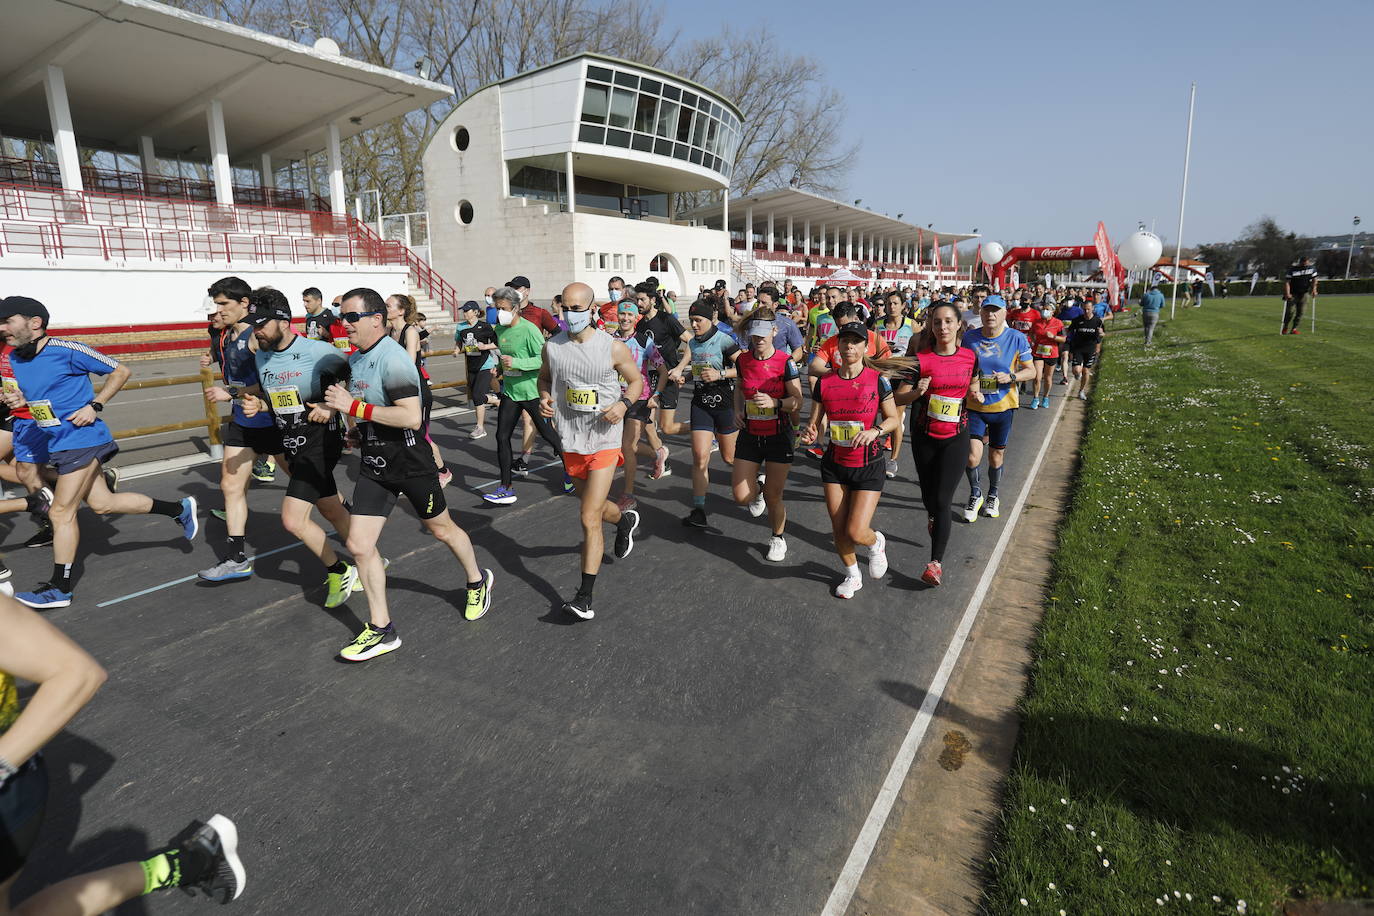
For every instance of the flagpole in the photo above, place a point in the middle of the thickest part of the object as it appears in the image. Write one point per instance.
(1183, 198)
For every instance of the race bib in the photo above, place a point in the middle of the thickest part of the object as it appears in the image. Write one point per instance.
(581, 399)
(1044, 350)
(513, 372)
(844, 432)
(11, 384)
(753, 411)
(699, 366)
(987, 383)
(470, 347)
(285, 399)
(946, 409)
(341, 343)
(43, 414)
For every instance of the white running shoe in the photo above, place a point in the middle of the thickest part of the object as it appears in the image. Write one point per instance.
(758, 506)
(877, 557)
(971, 510)
(993, 507)
(848, 587)
(777, 549)
(891, 469)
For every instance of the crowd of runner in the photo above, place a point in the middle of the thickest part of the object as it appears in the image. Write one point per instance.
(848, 377)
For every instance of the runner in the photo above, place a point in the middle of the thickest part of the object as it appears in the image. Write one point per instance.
(1021, 315)
(639, 418)
(477, 340)
(521, 356)
(203, 858)
(54, 382)
(767, 398)
(384, 393)
(820, 324)
(1069, 311)
(1004, 358)
(711, 355)
(857, 406)
(944, 381)
(28, 444)
(826, 358)
(896, 330)
(246, 439)
(1046, 336)
(293, 373)
(580, 385)
(318, 319)
(668, 334)
(1085, 343)
(403, 326)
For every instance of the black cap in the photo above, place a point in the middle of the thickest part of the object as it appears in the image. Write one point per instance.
(720, 284)
(23, 305)
(519, 283)
(261, 313)
(470, 304)
(853, 328)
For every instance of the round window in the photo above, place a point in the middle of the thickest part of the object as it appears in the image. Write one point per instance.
(461, 138)
(464, 212)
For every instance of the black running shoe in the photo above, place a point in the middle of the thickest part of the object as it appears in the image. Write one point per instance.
(696, 518)
(625, 533)
(42, 537)
(204, 857)
(580, 606)
(111, 476)
(4, 572)
(519, 468)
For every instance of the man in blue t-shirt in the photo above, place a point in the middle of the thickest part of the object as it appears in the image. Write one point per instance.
(54, 381)
(1150, 304)
(1004, 360)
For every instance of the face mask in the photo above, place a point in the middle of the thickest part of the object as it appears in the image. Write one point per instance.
(504, 318)
(489, 302)
(617, 295)
(28, 350)
(1045, 313)
(577, 321)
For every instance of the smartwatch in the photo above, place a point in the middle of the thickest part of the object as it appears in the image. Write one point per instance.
(626, 401)
(234, 391)
(97, 406)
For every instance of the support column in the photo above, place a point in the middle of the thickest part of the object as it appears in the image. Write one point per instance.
(220, 174)
(771, 244)
(806, 233)
(823, 239)
(147, 156)
(63, 134)
(269, 174)
(790, 239)
(849, 245)
(336, 181)
(309, 175)
(570, 181)
(749, 231)
(725, 215)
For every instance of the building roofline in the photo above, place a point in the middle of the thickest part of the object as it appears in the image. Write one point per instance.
(593, 55)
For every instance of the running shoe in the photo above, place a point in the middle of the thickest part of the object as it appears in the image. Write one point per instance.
(993, 507)
(1283, 330)
(777, 549)
(580, 606)
(1064, 380)
(42, 537)
(1082, 396)
(696, 518)
(568, 485)
(933, 573)
(41, 503)
(626, 502)
(816, 452)
(341, 585)
(758, 506)
(445, 477)
(228, 570)
(222, 515)
(1034, 404)
(477, 433)
(877, 557)
(625, 533)
(111, 476)
(1294, 331)
(975, 503)
(370, 643)
(660, 463)
(501, 496)
(265, 469)
(715, 446)
(45, 596)
(188, 521)
(891, 468)
(848, 587)
(519, 467)
(207, 860)
(5, 572)
(479, 599)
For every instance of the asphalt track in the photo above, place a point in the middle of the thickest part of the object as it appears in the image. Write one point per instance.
(711, 743)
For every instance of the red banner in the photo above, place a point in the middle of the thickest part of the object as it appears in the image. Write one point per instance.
(935, 250)
(1110, 265)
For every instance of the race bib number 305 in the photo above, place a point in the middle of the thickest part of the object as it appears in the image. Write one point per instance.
(285, 399)
(43, 413)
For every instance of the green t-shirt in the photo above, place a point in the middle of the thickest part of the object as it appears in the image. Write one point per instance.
(523, 342)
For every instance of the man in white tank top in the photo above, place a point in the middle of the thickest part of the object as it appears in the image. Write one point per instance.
(579, 388)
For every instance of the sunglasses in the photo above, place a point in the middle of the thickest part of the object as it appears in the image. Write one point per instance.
(355, 317)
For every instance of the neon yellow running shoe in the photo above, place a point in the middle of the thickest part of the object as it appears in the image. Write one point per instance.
(358, 579)
(341, 585)
(479, 599)
(370, 643)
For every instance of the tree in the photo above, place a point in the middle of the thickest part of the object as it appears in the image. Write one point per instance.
(1220, 257)
(1269, 248)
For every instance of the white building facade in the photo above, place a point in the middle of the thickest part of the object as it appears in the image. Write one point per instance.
(568, 173)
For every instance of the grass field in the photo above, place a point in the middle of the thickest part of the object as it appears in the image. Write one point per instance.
(1198, 734)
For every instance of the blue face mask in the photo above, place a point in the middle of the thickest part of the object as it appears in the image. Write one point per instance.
(617, 294)
(577, 321)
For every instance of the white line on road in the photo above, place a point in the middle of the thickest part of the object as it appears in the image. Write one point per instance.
(848, 882)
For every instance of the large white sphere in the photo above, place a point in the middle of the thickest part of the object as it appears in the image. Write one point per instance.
(1140, 250)
(992, 252)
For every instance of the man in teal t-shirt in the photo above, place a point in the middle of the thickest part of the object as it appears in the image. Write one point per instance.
(1150, 304)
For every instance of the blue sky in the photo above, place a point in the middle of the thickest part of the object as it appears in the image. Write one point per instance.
(1033, 120)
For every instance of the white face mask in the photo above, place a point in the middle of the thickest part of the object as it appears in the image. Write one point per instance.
(504, 318)
(577, 321)
(489, 302)
(1045, 313)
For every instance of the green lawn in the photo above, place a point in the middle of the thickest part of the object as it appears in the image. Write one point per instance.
(1200, 719)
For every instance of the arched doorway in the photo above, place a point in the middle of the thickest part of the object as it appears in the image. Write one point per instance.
(669, 272)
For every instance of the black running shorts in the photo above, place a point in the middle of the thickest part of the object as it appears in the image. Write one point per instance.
(378, 497)
(870, 476)
(263, 440)
(764, 449)
(22, 801)
(312, 470)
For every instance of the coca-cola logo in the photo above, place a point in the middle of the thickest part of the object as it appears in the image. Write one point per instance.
(1049, 254)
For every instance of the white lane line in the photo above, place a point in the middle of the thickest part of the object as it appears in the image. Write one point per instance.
(848, 882)
(492, 483)
(158, 588)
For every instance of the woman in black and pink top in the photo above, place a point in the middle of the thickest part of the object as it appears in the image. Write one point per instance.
(855, 404)
(943, 382)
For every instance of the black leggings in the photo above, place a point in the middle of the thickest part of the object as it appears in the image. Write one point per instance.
(506, 415)
(940, 466)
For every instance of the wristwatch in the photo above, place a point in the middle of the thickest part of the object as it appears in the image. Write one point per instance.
(97, 406)
(234, 391)
(626, 401)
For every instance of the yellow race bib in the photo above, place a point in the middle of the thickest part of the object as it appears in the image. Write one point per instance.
(285, 399)
(844, 432)
(753, 411)
(43, 413)
(1044, 350)
(943, 408)
(583, 400)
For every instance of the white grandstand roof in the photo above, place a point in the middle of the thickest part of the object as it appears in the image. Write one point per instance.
(135, 67)
(803, 205)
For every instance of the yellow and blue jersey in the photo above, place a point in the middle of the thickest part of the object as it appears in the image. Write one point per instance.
(1007, 352)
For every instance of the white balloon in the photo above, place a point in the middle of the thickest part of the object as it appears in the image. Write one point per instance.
(1140, 250)
(992, 252)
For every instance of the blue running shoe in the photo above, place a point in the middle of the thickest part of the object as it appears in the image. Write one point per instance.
(501, 496)
(188, 521)
(44, 596)
(568, 483)
(1034, 404)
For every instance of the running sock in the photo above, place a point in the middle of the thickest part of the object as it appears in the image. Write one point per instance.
(174, 868)
(975, 480)
(62, 576)
(236, 548)
(166, 507)
(588, 583)
(699, 502)
(339, 567)
(475, 586)
(852, 571)
(994, 480)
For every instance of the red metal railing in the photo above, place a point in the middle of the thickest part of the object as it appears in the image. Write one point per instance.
(390, 251)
